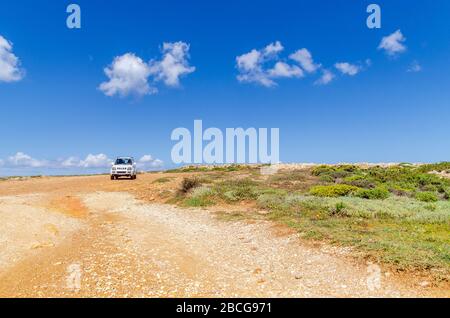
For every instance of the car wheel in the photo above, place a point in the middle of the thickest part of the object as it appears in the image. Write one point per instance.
(112, 177)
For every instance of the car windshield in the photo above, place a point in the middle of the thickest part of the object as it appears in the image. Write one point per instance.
(123, 161)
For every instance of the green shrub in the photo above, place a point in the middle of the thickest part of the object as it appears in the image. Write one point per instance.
(373, 194)
(337, 190)
(198, 202)
(339, 209)
(322, 170)
(443, 166)
(327, 178)
(237, 190)
(426, 197)
(202, 191)
(360, 181)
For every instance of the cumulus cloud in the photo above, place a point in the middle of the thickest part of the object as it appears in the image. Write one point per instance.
(129, 74)
(10, 70)
(23, 160)
(273, 49)
(173, 64)
(326, 78)
(147, 162)
(304, 58)
(282, 69)
(250, 66)
(70, 162)
(393, 44)
(414, 67)
(92, 161)
(253, 66)
(96, 161)
(347, 68)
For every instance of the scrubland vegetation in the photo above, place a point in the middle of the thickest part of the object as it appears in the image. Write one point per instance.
(398, 215)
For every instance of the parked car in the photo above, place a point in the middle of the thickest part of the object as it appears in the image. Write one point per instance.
(124, 167)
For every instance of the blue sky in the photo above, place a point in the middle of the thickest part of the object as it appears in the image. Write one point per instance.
(394, 109)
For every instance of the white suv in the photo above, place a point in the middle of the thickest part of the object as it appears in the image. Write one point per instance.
(124, 167)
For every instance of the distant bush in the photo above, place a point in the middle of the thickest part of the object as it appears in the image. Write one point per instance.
(443, 166)
(336, 190)
(322, 170)
(360, 181)
(202, 191)
(426, 197)
(373, 194)
(339, 209)
(189, 183)
(327, 178)
(198, 202)
(334, 172)
(237, 190)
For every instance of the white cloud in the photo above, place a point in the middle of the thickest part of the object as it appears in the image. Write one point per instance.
(173, 65)
(282, 69)
(304, 58)
(148, 162)
(253, 67)
(127, 74)
(23, 160)
(96, 161)
(414, 67)
(326, 78)
(249, 61)
(70, 162)
(347, 68)
(92, 161)
(273, 49)
(393, 43)
(10, 70)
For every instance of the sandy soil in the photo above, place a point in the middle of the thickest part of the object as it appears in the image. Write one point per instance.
(92, 237)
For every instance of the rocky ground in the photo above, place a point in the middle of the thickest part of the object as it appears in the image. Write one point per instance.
(92, 237)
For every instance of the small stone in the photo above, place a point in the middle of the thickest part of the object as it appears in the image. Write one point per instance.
(424, 283)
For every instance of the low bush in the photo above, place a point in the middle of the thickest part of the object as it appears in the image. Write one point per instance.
(360, 181)
(339, 209)
(336, 190)
(188, 184)
(237, 190)
(427, 197)
(373, 194)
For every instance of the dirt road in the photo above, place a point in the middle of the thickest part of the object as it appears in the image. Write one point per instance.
(91, 237)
